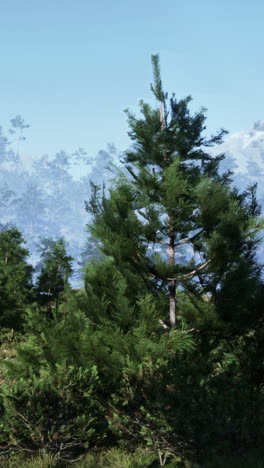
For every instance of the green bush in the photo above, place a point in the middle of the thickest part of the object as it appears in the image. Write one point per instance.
(57, 411)
(77, 383)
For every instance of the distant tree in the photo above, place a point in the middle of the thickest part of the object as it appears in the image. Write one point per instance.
(5, 151)
(89, 252)
(17, 128)
(101, 169)
(42, 170)
(100, 174)
(59, 167)
(80, 156)
(55, 269)
(15, 277)
(30, 209)
(53, 174)
(259, 125)
(7, 203)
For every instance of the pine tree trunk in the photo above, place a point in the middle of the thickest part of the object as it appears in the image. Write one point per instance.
(172, 285)
(49, 305)
(172, 290)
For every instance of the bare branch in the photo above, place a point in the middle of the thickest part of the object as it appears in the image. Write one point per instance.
(177, 278)
(192, 273)
(164, 325)
(190, 238)
(162, 242)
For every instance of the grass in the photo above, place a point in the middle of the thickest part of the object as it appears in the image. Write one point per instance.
(19, 461)
(116, 458)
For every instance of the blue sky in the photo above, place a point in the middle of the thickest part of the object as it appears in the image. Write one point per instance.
(70, 68)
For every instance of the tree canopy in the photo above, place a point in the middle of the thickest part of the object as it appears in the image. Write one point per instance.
(170, 196)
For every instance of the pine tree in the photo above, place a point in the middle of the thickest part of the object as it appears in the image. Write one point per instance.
(15, 277)
(55, 270)
(30, 209)
(171, 196)
(7, 202)
(18, 126)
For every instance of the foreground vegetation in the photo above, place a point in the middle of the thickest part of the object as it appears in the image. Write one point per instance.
(159, 359)
(117, 458)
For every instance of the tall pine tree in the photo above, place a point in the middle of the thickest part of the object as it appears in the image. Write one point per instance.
(55, 270)
(172, 196)
(16, 288)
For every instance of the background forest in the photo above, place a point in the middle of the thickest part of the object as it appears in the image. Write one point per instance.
(46, 200)
(45, 196)
(158, 358)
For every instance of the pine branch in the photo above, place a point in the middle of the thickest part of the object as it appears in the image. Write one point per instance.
(192, 273)
(157, 87)
(178, 278)
(164, 325)
(163, 243)
(190, 239)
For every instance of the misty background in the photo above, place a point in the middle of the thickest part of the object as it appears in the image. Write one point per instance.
(45, 196)
(68, 71)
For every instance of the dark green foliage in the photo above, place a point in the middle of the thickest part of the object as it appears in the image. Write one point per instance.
(7, 202)
(67, 374)
(31, 206)
(171, 196)
(58, 412)
(190, 403)
(53, 401)
(84, 379)
(15, 277)
(55, 270)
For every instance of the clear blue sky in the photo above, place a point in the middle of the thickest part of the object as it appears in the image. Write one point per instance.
(71, 67)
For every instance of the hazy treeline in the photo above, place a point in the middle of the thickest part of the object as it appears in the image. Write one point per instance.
(47, 201)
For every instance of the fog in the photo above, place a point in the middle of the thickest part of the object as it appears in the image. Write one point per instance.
(44, 196)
